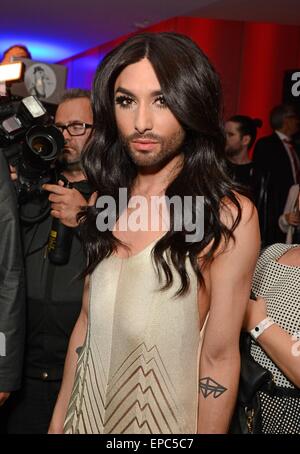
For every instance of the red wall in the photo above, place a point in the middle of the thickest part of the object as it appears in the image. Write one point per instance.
(250, 57)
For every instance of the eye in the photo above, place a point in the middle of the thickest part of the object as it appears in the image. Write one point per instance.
(124, 101)
(77, 126)
(161, 101)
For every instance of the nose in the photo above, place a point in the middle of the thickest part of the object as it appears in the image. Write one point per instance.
(143, 119)
(66, 135)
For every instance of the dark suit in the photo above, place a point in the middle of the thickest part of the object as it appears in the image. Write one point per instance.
(12, 302)
(271, 156)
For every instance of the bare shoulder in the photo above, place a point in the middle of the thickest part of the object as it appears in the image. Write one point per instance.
(229, 211)
(243, 224)
(291, 257)
(246, 232)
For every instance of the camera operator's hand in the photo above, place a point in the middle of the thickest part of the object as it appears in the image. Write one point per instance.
(13, 173)
(66, 203)
(3, 398)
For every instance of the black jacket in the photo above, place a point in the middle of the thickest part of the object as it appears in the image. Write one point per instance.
(54, 298)
(271, 156)
(12, 302)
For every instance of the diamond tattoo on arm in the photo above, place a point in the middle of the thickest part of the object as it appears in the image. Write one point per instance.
(208, 386)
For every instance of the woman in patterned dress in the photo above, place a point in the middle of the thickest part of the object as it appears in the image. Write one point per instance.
(275, 319)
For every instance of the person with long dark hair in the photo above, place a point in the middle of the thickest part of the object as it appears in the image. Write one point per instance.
(158, 334)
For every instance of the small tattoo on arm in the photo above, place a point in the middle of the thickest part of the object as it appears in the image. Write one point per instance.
(208, 386)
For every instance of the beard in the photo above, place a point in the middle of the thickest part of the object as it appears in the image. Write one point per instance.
(232, 152)
(166, 149)
(70, 162)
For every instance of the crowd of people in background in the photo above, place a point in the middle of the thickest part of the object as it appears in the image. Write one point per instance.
(271, 172)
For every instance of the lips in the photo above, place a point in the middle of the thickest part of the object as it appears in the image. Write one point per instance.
(144, 145)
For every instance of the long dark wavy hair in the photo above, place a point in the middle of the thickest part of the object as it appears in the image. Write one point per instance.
(192, 91)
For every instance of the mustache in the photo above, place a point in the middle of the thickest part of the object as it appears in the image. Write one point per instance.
(147, 135)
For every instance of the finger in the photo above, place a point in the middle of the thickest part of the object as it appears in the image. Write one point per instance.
(54, 188)
(61, 183)
(92, 199)
(57, 206)
(13, 172)
(55, 214)
(56, 198)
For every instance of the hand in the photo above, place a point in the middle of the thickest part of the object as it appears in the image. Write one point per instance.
(13, 173)
(293, 218)
(256, 311)
(66, 203)
(3, 398)
(93, 199)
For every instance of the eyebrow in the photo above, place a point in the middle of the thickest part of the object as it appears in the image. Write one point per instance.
(124, 91)
(69, 122)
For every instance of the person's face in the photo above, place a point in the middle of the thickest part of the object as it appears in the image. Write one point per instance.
(150, 131)
(74, 110)
(235, 142)
(292, 124)
(14, 52)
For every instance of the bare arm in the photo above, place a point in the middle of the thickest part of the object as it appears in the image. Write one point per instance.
(230, 277)
(280, 346)
(289, 217)
(77, 339)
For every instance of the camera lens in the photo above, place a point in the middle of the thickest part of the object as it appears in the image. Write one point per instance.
(42, 145)
(45, 142)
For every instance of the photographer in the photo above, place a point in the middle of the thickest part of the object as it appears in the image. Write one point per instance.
(53, 291)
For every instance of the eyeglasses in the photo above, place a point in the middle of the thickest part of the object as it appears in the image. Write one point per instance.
(75, 128)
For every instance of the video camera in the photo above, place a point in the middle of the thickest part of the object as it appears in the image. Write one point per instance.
(30, 142)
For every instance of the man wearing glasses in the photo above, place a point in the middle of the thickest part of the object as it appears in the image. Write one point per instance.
(74, 118)
(54, 292)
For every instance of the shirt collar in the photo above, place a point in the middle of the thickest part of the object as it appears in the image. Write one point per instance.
(283, 136)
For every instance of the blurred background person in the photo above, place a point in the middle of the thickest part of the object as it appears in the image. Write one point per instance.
(276, 156)
(289, 221)
(15, 51)
(241, 132)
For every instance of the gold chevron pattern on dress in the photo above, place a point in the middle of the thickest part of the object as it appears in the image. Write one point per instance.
(139, 369)
(139, 396)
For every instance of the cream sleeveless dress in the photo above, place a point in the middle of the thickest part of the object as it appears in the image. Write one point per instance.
(137, 372)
